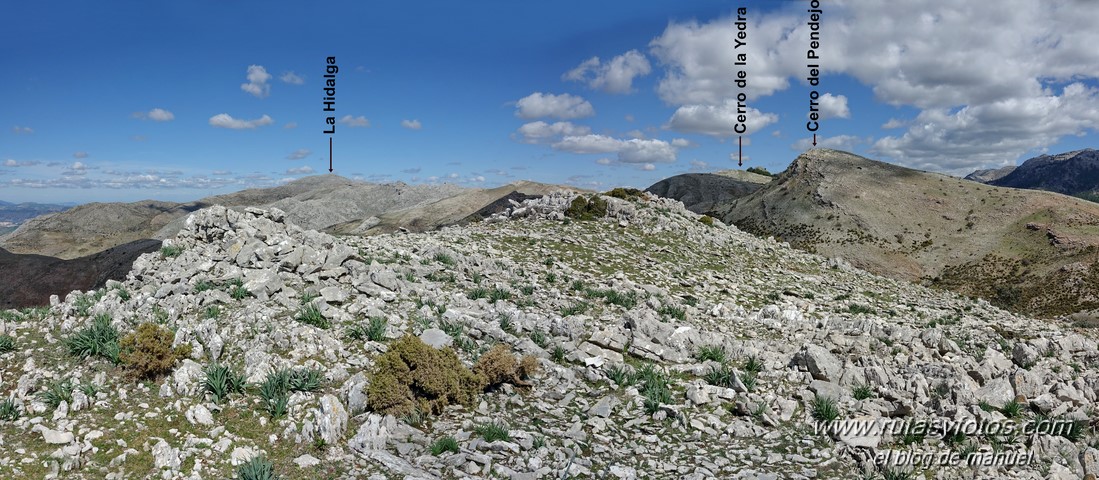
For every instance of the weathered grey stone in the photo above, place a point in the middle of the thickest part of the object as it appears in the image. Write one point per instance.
(436, 338)
(819, 362)
(331, 420)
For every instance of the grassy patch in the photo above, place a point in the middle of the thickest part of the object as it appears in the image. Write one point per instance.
(100, 339)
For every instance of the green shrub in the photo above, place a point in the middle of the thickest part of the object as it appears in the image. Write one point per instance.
(706, 220)
(749, 380)
(220, 381)
(493, 431)
(7, 343)
(625, 193)
(147, 352)
(412, 374)
(760, 171)
(477, 293)
(444, 444)
(258, 468)
(9, 410)
(591, 208)
(213, 311)
(170, 251)
(275, 393)
(856, 308)
(100, 339)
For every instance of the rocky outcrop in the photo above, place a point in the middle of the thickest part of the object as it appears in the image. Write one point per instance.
(667, 347)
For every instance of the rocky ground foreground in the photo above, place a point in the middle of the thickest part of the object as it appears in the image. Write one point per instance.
(668, 345)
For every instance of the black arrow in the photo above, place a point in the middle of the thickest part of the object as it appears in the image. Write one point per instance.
(330, 154)
(814, 139)
(740, 149)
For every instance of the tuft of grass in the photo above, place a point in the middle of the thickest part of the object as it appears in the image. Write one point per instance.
(558, 354)
(373, 331)
(170, 251)
(527, 290)
(445, 259)
(9, 410)
(1012, 409)
(498, 294)
(824, 409)
(310, 315)
(258, 468)
(673, 312)
(212, 311)
(493, 431)
(237, 290)
(204, 285)
(275, 393)
(862, 391)
(753, 365)
(711, 352)
(720, 376)
(221, 381)
(538, 442)
(57, 391)
(620, 375)
(857, 308)
(574, 309)
(654, 387)
(100, 339)
(123, 294)
(506, 325)
(443, 445)
(477, 293)
(7, 343)
(539, 338)
(750, 380)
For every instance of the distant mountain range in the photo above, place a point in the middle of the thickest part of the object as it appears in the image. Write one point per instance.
(1027, 250)
(17, 213)
(1073, 173)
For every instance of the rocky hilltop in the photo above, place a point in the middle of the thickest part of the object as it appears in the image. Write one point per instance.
(1027, 250)
(646, 342)
(704, 193)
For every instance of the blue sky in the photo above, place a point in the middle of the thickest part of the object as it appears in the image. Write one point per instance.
(129, 100)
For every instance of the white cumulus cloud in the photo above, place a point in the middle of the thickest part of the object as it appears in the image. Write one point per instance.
(257, 81)
(291, 78)
(718, 121)
(299, 154)
(628, 151)
(411, 124)
(564, 106)
(359, 121)
(300, 170)
(542, 132)
(615, 76)
(224, 120)
(833, 106)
